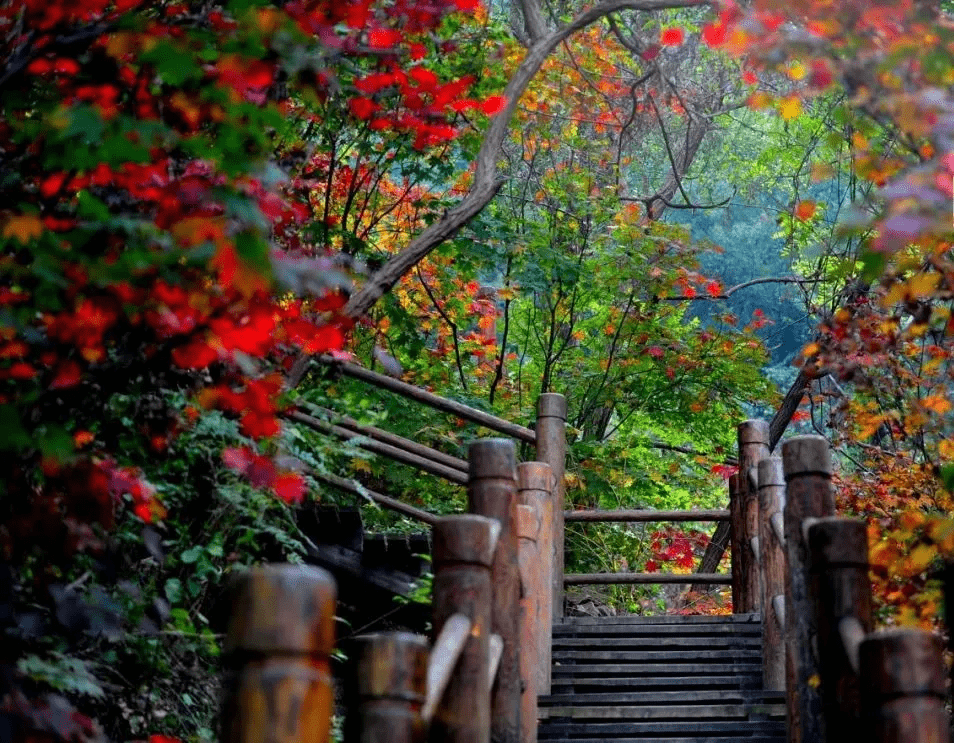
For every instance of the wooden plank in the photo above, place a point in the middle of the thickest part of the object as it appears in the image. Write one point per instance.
(690, 619)
(662, 656)
(646, 515)
(742, 727)
(681, 696)
(649, 712)
(657, 669)
(693, 739)
(652, 640)
(576, 579)
(656, 631)
(404, 389)
(749, 680)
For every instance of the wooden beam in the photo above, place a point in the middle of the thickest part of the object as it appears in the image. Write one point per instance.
(576, 579)
(404, 389)
(644, 516)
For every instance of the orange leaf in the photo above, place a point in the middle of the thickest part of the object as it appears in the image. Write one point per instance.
(804, 210)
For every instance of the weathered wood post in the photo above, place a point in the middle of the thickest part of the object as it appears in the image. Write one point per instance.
(551, 448)
(772, 557)
(462, 552)
(753, 448)
(736, 537)
(841, 590)
(388, 689)
(902, 688)
(535, 486)
(276, 652)
(808, 494)
(528, 528)
(492, 492)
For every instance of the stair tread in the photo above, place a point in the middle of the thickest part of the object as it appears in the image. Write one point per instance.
(657, 630)
(764, 738)
(553, 727)
(679, 619)
(667, 656)
(689, 712)
(751, 680)
(758, 696)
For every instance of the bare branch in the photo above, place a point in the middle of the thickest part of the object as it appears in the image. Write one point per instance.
(745, 285)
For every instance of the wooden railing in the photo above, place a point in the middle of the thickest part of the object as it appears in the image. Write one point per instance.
(492, 621)
(806, 571)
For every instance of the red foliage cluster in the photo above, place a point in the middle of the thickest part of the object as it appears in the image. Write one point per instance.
(675, 546)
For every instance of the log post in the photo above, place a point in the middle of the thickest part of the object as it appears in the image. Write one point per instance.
(737, 529)
(551, 448)
(492, 492)
(902, 688)
(528, 528)
(753, 448)
(462, 553)
(276, 654)
(388, 689)
(808, 494)
(771, 502)
(535, 485)
(841, 590)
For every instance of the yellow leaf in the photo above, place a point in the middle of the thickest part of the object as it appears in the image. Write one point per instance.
(920, 558)
(24, 227)
(937, 404)
(796, 71)
(922, 285)
(790, 107)
(361, 465)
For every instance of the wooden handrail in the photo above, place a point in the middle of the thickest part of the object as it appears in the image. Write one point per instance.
(377, 447)
(576, 579)
(384, 501)
(447, 649)
(646, 515)
(386, 437)
(428, 398)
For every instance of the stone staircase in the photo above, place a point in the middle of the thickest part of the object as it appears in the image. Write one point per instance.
(668, 678)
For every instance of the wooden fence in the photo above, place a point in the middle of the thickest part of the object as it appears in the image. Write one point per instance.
(806, 572)
(498, 587)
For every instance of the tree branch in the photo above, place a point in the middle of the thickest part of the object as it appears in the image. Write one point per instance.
(745, 285)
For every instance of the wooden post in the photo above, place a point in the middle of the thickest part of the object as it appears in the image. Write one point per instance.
(735, 542)
(841, 590)
(808, 494)
(492, 492)
(528, 528)
(771, 503)
(753, 448)
(276, 652)
(462, 553)
(534, 486)
(388, 689)
(902, 688)
(551, 448)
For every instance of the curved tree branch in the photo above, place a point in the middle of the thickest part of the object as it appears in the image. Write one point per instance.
(486, 181)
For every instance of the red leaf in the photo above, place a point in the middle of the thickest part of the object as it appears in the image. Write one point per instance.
(655, 351)
(52, 185)
(493, 105)
(290, 487)
(68, 374)
(714, 34)
(714, 289)
(671, 37)
(804, 210)
(383, 38)
(237, 458)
